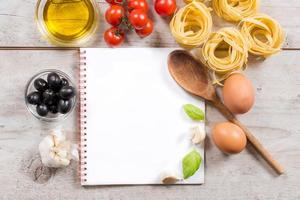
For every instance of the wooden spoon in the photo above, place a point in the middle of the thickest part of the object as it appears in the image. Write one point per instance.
(192, 76)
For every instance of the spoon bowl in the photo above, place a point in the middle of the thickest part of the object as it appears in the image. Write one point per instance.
(190, 74)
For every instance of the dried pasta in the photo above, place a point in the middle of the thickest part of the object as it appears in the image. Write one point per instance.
(189, 1)
(263, 34)
(235, 10)
(225, 52)
(191, 25)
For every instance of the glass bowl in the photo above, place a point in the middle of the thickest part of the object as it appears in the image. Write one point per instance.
(50, 117)
(67, 22)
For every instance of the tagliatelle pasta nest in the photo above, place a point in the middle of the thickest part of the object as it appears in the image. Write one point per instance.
(189, 1)
(264, 35)
(225, 52)
(191, 25)
(235, 10)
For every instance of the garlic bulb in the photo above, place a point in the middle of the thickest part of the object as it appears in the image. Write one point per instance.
(56, 151)
(198, 135)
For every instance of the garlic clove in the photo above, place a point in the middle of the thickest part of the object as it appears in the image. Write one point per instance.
(45, 148)
(58, 137)
(74, 152)
(47, 142)
(62, 153)
(47, 160)
(169, 177)
(198, 135)
(169, 180)
(64, 161)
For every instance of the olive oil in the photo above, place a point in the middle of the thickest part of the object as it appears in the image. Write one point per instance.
(69, 20)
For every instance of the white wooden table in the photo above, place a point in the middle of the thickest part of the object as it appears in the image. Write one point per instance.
(275, 118)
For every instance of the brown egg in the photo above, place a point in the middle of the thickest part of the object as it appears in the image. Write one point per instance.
(238, 93)
(229, 138)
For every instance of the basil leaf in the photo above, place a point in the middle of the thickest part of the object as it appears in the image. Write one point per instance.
(191, 163)
(193, 112)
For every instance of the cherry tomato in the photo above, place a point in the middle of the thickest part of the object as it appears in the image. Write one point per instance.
(138, 18)
(137, 4)
(114, 36)
(113, 2)
(114, 14)
(146, 30)
(165, 7)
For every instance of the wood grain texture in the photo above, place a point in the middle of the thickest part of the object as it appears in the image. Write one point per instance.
(274, 120)
(18, 27)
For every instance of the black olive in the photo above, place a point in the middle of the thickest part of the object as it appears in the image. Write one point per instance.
(34, 98)
(42, 110)
(49, 97)
(53, 109)
(64, 82)
(54, 81)
(53, 101)
(67, 92)
(40, 84)
(64, 106)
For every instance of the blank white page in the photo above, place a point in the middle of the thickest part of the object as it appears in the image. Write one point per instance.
(136, 126)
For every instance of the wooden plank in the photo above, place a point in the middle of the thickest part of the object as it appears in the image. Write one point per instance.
(274, 120)
(18, 28)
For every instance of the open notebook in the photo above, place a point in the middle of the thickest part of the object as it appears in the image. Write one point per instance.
(133, 127)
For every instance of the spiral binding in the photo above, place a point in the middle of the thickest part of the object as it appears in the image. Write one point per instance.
(82, 116)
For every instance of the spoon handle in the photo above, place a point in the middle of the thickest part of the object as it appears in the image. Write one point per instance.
(253, 140)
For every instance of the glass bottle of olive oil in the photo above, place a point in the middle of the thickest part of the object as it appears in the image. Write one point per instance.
(67, 21)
